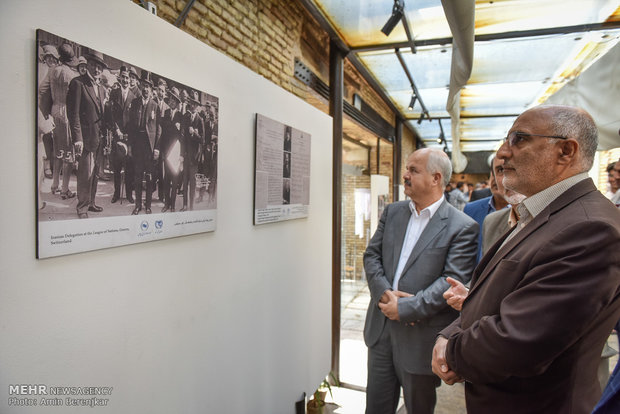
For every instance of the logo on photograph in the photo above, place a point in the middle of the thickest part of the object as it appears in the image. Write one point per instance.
(159, 224)
(144, 226)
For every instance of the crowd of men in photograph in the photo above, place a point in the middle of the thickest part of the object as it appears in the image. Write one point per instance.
(150, 133)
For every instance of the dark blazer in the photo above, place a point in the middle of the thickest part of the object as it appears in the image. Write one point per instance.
(446, 247)
(481, 193)
(494, 226)
(85, 111)
(169, 131)
(532, 329)
(119, 109)
(191, 149)
(150, 111)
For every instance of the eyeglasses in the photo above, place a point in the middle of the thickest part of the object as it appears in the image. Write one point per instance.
(516, 137)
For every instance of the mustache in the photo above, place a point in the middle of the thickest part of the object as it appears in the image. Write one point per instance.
(407, 182)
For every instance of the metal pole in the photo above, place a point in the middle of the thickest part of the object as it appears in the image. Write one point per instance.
(336, 88)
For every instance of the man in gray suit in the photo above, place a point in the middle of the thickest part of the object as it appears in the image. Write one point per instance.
(417, 244)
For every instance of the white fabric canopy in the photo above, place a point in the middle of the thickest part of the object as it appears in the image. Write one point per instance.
(460, 16)
(597, 90)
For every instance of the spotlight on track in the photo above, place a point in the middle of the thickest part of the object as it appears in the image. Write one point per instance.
(397, 15)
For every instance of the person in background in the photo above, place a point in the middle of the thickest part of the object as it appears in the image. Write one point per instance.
(545, 297)
(48, 57)
(613, 175)
(482, 190)
(468, 190)
(81, 67)
(170, 150)
(457, 198)
(53, 102)
(134, 81)
(417, 244)
(193, 134)
(480, 209)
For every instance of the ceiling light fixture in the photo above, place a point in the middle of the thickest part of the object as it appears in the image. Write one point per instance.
(397, 15)
(412, 103)
(416, 93)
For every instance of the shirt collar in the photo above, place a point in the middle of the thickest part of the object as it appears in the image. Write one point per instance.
(432, 209)
(539, 201)
(492, 203)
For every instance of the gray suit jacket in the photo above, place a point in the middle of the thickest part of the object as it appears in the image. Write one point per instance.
(494, 226)
(447, 247)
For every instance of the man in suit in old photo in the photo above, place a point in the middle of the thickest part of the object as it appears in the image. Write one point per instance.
(118, 123)
(169, 146)
(143, 137)
(85, 112)
(417, 244)
(546, 296)
(193, 138)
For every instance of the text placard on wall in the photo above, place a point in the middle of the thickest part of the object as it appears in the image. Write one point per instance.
(282, 172)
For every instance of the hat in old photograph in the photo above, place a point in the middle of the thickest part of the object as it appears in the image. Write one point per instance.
(96, 56)
(174, 93)
(49, 50)
(146, 77)
(67, 55)
(133, 72)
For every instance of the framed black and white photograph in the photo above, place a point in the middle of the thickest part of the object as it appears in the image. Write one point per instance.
(282, 173)
(124, 155)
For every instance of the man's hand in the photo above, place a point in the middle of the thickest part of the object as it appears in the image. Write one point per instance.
(390, 308)
(440, 365)
(456, 294)
(78, 147)
(156, 154)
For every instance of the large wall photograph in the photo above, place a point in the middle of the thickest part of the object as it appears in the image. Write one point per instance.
(124, 155)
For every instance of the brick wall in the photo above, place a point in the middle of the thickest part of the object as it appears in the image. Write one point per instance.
(267, 36)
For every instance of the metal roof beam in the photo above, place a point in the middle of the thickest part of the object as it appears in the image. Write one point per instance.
(335, 37)
(493, 36)
(415, 118)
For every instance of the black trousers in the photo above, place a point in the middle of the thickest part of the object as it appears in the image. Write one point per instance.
(118, 163)
(143, 165)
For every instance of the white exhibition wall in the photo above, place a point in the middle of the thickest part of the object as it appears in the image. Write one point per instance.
(233, 321)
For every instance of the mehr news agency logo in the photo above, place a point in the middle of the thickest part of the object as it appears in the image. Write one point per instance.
(29, 395)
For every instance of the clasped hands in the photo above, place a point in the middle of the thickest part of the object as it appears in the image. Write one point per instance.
(440, 365)
(389, 303)
(454, 297)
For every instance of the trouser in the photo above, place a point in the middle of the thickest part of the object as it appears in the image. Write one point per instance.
(118, 163)
(386, 376)
(143, 164)
(171, 183)
(87, 179)
(189, 184)
(48, 144)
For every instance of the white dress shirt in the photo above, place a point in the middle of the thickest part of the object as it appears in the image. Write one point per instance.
(415, 227)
